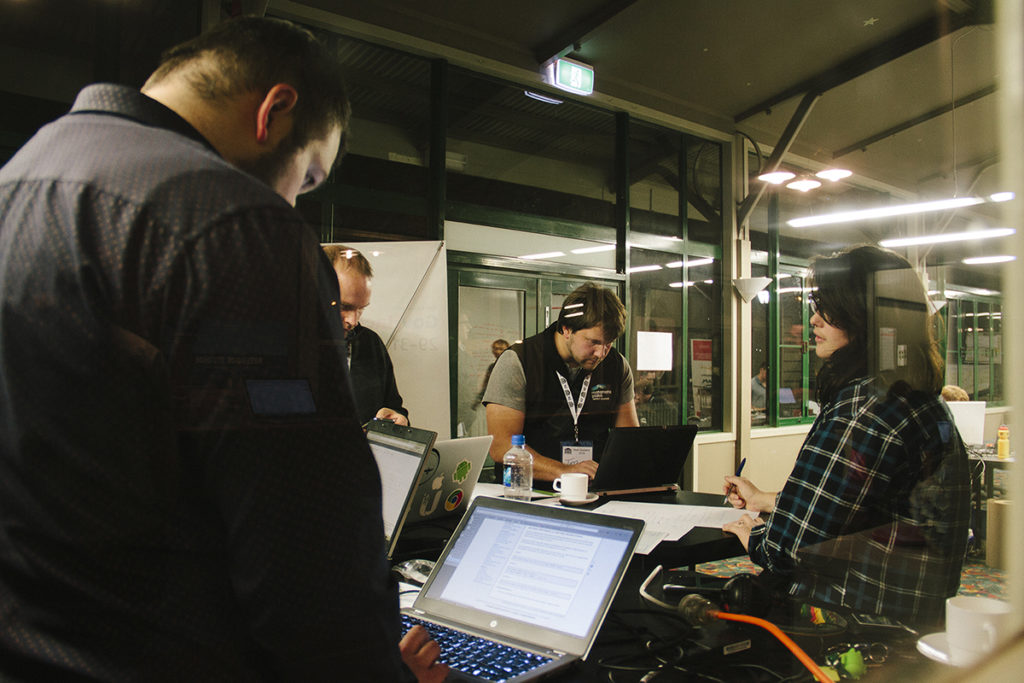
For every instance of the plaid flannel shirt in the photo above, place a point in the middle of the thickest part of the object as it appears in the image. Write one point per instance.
(875, 514)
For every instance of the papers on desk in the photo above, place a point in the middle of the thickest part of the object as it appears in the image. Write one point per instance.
(668, 521)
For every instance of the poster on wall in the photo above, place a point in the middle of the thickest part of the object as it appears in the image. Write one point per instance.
(700, 374)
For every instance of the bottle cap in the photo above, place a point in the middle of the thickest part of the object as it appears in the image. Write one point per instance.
(518, 440)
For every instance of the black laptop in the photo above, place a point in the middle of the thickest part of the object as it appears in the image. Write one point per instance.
(521, 589)
(643, 459)
(401, 454)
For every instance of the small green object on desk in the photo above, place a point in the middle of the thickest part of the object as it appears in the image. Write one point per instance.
(852, 664)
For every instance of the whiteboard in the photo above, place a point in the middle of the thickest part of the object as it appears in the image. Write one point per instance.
(409, 310)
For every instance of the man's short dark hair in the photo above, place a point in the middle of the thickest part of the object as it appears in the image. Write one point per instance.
(592, 306)
(253, 54)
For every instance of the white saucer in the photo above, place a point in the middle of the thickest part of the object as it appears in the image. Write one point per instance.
(934, 646)
(591, 497)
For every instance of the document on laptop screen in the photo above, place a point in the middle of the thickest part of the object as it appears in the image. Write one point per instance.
(548, 573)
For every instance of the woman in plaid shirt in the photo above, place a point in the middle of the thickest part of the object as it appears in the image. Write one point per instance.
(874, 516)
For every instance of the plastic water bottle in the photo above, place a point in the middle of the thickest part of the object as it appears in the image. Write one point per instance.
(518, 470)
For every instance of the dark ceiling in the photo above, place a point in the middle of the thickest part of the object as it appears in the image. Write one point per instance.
(902, 93)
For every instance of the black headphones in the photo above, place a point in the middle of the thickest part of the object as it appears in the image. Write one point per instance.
(741, 594)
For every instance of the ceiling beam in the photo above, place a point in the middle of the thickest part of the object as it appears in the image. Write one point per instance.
(907, 41)
(565, 40)
(796, 122)
(910, 123)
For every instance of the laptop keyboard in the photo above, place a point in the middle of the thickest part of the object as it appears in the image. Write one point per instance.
(477, 656)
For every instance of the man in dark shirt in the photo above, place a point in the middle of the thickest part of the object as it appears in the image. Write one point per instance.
(172, 503)
(370, 368)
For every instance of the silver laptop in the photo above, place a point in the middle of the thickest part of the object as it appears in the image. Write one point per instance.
(534, 582)
(446, 485)
(402, 456)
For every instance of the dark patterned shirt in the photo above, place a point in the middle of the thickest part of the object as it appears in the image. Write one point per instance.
(875, 514)
(185, 493)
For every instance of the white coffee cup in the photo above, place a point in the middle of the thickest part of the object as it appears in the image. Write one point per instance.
(974, 627)
(572, 485)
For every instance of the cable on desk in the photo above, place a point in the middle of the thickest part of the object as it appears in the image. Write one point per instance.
(698, 609)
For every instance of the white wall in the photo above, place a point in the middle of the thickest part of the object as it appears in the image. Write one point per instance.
(409, 310)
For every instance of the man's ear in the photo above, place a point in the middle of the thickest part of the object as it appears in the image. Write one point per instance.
(279, 100)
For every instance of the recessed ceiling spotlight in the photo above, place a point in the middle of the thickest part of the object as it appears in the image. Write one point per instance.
(777, 177)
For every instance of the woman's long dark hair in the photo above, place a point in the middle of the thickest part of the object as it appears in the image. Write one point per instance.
(844, 282)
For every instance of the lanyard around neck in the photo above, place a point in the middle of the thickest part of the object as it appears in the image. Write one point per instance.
(575, 408)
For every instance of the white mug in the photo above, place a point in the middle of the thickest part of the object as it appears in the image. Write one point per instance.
(572, 485)
(974, 626)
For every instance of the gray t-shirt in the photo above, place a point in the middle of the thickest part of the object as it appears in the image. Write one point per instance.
(507, 385)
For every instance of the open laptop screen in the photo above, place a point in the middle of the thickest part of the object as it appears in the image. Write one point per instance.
(552, 572)
(399, 459)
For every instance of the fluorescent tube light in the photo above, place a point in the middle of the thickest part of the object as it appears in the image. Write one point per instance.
(594, 250)
(884, 211)
(546, 254)
(644, 269)
(948, 237)
(542, 98)
(982, 260)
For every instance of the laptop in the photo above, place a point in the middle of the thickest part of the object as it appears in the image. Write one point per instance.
(533, 581)
(643, 459)
(402, 458)
(446, 485)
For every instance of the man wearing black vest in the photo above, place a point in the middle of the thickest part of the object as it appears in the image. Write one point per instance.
(563, 388)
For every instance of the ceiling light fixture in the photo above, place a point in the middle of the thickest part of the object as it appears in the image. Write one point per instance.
(542, 98)
(804, 184)
(644, 269)
(690, 264)
(834, 174)
(544, 255)
(777, 177)
(1001, 197)
(982, 260)
(947, 237)
(594, 250)
(884, 212)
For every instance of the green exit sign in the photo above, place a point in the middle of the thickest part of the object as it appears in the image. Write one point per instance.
(575, 77)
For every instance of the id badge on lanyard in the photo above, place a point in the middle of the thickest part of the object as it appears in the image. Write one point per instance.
(576, 451)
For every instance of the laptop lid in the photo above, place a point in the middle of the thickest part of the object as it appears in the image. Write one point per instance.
(536, 575)
(643, 457)
(447, 482)
(401, 454)
(969, 418)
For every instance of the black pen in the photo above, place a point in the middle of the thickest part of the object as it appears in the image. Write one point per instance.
(738, 471)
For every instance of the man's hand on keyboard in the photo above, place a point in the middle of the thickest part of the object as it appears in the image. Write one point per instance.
(420, 654)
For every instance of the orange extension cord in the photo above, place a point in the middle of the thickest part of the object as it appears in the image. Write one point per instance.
(783, 638)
